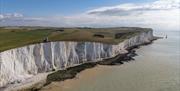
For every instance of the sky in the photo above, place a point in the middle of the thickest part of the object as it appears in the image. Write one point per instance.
(156, 14)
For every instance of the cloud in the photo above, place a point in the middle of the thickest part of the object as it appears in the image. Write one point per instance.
(135, 9)
(159, 15)
(17, 19)
(10, 16)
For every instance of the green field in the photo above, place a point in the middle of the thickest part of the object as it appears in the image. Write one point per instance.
(13, 37)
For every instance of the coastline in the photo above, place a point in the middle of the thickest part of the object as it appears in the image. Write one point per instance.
(155, 68)
(87, 74)
(36, 84)
(57, 56)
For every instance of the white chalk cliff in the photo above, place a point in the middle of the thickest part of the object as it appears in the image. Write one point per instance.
(19, 64)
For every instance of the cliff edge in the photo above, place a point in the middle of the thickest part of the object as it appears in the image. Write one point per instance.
(20, 64)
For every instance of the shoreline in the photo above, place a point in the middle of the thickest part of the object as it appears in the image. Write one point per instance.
(87, 74)
(71, 72)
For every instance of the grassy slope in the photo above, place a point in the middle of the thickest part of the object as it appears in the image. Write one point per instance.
(11, 39)
(18, 37)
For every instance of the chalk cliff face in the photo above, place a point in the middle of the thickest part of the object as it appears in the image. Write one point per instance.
(19, 64)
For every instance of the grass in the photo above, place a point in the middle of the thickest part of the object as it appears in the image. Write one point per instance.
(16, 38)
(20, 36)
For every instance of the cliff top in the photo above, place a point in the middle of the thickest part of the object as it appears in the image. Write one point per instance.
(13, 37)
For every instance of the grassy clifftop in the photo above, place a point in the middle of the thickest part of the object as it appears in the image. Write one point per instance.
(13, 37)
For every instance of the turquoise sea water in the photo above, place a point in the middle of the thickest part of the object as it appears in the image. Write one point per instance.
(156, 68)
